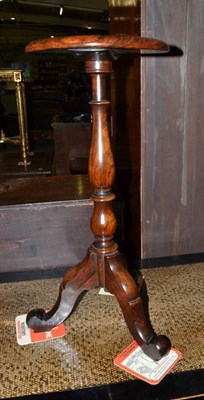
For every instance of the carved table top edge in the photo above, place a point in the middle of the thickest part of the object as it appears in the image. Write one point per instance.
(119, 43)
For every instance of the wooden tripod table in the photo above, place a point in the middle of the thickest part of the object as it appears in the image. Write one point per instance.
(104, 266)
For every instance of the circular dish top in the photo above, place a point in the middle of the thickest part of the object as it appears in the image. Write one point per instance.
(116, 43)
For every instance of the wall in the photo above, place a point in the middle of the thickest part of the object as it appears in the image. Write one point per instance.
(172, 123)
(158, 103)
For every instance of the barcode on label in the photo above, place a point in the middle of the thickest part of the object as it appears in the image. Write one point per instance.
(23, 329)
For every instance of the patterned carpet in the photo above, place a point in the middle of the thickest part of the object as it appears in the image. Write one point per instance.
(97, 333)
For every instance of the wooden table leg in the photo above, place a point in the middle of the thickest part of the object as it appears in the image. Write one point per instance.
(77, 280)
(122, 285)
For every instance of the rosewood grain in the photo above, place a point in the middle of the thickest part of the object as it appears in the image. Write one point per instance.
(96, 42)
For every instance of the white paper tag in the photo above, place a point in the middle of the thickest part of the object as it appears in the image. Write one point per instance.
(105, 292)
(25, 335)
(137, 363)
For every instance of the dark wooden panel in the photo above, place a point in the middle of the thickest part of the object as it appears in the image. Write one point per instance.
(45, 222)
(172, 131)
(72, 144)
(43, 189)
(40, 164)
(39, 236)
(192, 195)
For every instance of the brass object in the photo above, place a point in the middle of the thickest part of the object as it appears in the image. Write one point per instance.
(13, 139)
(16, 75)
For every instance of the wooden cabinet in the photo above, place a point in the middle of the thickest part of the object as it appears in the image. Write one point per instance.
(43, 225)
(45, 222)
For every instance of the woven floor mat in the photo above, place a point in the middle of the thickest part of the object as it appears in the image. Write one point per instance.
(97, 333)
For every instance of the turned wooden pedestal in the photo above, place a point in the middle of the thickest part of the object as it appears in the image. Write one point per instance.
(104, 266)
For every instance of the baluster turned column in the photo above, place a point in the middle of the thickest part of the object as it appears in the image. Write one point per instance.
(101, 162)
